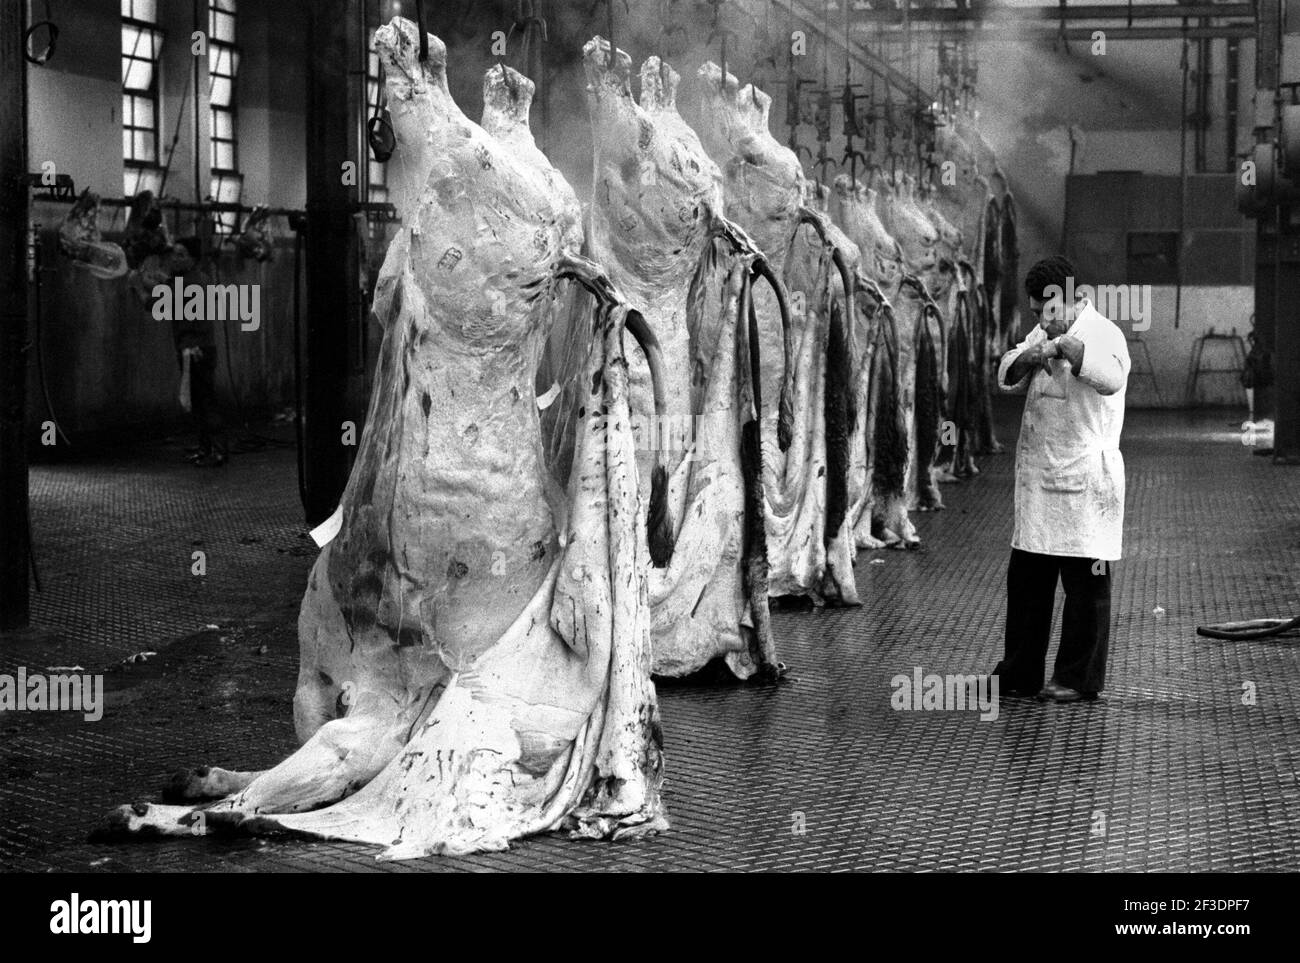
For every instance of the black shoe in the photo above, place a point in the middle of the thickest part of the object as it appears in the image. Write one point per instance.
(1055, 692)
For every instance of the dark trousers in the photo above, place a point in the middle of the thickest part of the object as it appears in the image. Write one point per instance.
(204, 411)
(1085, 623)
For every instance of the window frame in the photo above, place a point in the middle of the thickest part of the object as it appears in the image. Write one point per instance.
(232, 49)
(223, 175)
(376, 173)
(136, 168)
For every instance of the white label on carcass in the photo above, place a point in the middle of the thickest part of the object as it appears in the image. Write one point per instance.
(545, 401)
(324, 533)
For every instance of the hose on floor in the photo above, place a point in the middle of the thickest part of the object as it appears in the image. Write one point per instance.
(1250, 629)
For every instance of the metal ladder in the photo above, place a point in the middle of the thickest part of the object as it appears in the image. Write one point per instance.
(1147, 370)
(1238, 351)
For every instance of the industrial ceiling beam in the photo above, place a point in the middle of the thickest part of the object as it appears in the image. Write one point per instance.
(808, 15)
(1054, 13)
(987, 23)
(996, 33)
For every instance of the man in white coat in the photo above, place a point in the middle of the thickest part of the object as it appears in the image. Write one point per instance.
(1069, 504)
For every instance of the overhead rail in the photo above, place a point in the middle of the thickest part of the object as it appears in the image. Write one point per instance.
(990, 22)
(808, 17)
(986, 33)
(1003, 14)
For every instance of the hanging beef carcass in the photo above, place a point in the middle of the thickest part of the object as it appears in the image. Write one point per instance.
(906, 339)
(949, 237)
(960, 306)
(963, 194)
(808, 524)
(153, 257)
(80, 239)
(950, 282)
(987, 208)
(763, 190)
(254, 240)
(475, 660)
(918, 241)
(1001, 242)
(822, 261)
(1000, 264)
(877, 494)
(961, 190)
(917, 237)
(657, 223)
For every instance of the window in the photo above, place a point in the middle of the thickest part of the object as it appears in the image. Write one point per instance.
(223, 67)
(376, 173)
(141, 47)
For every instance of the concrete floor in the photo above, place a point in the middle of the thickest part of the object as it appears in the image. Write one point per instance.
(1170, 772)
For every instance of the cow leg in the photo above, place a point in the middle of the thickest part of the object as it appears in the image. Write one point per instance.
(965, 459)
(206, 782)
(947, 470)
(338, 760)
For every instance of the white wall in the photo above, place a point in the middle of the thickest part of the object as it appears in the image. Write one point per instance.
(1171, 349)
(75, 106)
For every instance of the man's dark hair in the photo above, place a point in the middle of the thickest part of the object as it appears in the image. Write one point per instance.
(1048, 271)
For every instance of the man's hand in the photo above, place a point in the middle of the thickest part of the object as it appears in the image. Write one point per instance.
(1050, 350)
(1071, 349)
(1035, 356)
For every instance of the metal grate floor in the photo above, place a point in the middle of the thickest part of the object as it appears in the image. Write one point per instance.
(1170, 772)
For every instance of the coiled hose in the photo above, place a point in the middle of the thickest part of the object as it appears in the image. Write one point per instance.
(1250, 629)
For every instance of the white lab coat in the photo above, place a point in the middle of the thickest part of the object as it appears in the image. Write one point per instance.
(1069, 471)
